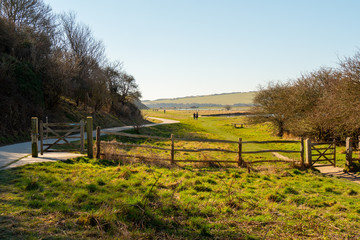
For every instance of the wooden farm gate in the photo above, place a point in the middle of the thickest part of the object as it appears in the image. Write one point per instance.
(58, 134)
(320, 152)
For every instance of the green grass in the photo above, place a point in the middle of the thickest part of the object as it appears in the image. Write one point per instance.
(106, 199)
(86, 198)
(221, 128)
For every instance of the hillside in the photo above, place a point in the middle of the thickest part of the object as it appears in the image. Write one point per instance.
(67, 83)
(237, 99)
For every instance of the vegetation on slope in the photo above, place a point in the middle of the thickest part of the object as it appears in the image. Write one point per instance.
(45, 58)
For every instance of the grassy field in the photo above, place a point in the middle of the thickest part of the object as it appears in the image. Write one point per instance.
(105, 199)
(224, 99)
(221, 128)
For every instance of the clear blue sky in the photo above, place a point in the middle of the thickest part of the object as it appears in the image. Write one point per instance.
(178, 48)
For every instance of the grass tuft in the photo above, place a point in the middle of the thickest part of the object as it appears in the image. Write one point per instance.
(92, 187)
(275, 197)
(201, 188)
(32, 184)
(290, 190)
(352, 192)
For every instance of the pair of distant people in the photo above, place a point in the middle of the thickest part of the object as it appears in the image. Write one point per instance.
(196, 115)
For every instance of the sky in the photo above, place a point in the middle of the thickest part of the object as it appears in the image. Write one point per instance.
(178, 48)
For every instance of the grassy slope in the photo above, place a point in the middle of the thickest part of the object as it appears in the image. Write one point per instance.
(67, 111)
(226, 98)
(105, 199)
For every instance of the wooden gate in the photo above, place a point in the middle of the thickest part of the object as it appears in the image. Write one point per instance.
(54, 137)
(320, 152)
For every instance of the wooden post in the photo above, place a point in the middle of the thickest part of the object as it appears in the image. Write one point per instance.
(302, 153)
(359, 145)
(89, 131)
(34, 136)
(97, 142)
(240, 160)
(349, 151)
(82, 136)
(172, 149)
(334, 152)
(308, 160)
(41, 137)
(47, 130)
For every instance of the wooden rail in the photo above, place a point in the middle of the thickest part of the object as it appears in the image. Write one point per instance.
(239, 159)
(62, 132)
(316, 152)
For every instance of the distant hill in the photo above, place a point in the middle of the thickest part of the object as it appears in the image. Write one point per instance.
(139, 104)
(215, 100)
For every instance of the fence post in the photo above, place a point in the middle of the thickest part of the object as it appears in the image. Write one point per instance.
(89, 131)
(34, 136)
(82, 136)
(240, 160)
(359, 145)
(334, 142)
(172, 149)
(41, 137)
(97, 142)
(308, 160)
(302, 152)
(349, 151)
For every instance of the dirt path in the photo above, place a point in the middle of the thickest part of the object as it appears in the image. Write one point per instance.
(20, 154)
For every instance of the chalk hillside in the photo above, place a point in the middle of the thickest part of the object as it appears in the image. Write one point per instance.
(234, 99)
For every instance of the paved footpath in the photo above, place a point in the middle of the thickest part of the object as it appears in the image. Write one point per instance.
(20, 154)
(329, 170)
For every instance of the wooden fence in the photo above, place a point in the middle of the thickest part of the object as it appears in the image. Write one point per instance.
(61, 133)
(349, 152)
(320, 152)
(238, 159)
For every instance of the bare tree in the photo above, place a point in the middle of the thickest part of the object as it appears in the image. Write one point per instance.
(128, 90)
(30, 13)
(85, 52)
(271, 105)
(113, 72)
(122, 86)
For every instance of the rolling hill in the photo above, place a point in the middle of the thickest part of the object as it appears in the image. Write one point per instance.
(234, 99)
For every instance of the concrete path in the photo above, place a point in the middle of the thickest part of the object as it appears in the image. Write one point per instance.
(20, 154)
(329, 170)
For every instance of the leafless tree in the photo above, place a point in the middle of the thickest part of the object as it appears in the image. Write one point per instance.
(85, 52)
(30, 13)
(271, 105)
(128, 90)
